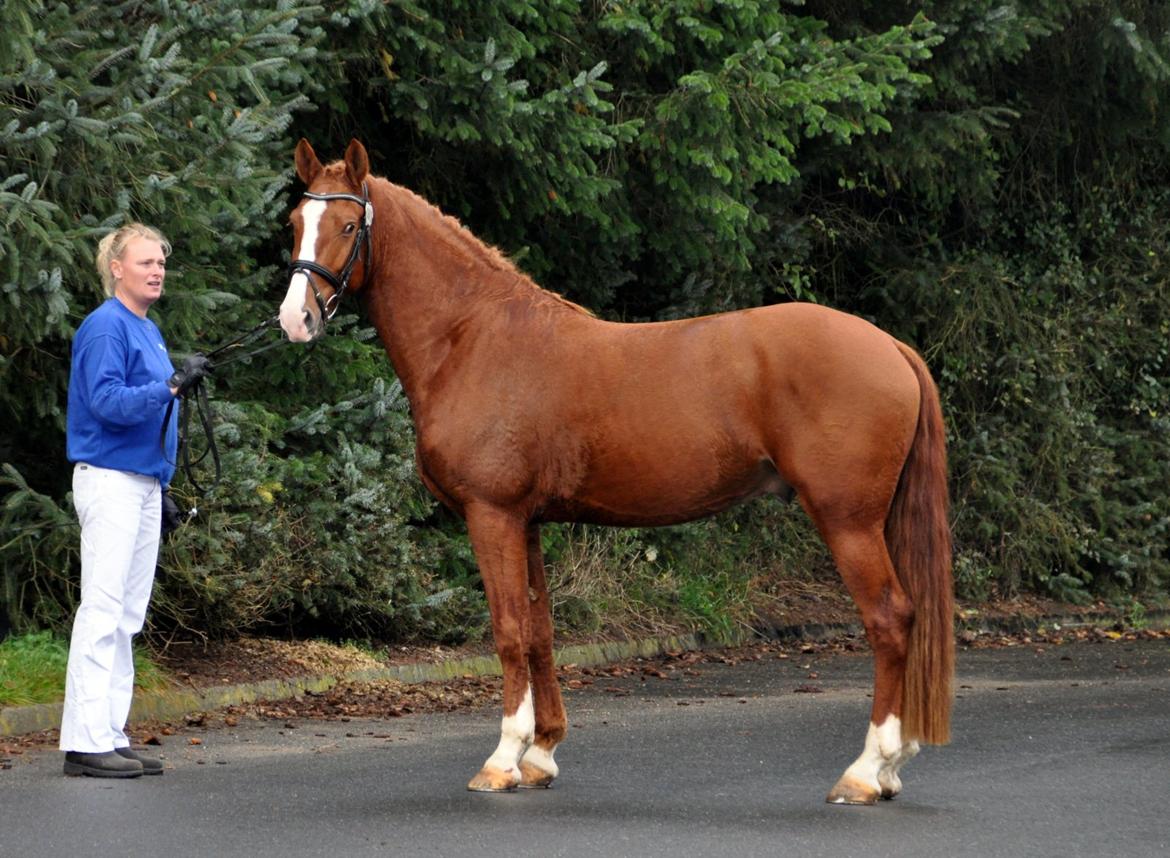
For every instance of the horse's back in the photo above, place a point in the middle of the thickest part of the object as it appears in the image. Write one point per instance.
(769, 367)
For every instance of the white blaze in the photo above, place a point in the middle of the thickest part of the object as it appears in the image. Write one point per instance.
(292, 311)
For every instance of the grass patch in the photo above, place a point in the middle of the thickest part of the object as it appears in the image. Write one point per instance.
(32, 670)
(606, 581)
(716, 576)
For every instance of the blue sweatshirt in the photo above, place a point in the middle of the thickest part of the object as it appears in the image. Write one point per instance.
(118, 395)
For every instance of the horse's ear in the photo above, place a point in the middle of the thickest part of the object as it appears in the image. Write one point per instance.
(308, 167)
(357, 163)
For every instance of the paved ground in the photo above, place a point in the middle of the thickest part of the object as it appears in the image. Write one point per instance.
(1058, 750)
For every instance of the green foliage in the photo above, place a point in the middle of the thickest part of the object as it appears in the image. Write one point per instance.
(653, 129)
(38, 556)
(1056, 353)
(32, 669)
(493, 112)
(984, 179)
(729, 127)
(708, 575)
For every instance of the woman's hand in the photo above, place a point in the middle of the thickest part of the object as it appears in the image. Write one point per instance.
(188, 375)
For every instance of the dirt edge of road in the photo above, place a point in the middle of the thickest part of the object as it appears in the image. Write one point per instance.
(217, 684)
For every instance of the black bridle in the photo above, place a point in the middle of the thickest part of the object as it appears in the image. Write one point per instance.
(339, 282)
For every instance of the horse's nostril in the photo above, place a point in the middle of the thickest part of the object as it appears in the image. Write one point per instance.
(308, 319)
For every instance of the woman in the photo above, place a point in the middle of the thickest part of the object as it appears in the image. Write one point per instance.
(120, 384)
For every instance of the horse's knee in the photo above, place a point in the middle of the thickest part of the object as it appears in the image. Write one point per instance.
(510, 646)
(540, 649)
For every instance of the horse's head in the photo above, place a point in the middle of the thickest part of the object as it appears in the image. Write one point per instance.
(331, 239)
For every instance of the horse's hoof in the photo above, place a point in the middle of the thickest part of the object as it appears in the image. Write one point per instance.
(534, 777)
(491, 779)
(852, 791)
(891, 786)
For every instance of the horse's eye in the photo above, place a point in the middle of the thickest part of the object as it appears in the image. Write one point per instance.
(349, 228)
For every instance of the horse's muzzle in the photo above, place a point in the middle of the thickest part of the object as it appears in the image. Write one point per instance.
(298, 324)
(299, 327)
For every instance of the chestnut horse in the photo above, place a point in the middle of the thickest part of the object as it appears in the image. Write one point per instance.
(529, 410)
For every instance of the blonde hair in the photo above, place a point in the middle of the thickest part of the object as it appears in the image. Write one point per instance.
(114, 245)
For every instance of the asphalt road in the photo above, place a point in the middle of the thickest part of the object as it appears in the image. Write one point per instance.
(1057, 751)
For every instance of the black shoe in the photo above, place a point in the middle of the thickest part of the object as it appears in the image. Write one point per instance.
(150, 766)
(107, 765)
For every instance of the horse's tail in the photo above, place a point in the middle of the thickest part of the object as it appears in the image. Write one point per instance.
(919, 539)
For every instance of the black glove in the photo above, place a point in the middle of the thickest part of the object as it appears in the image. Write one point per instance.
(188, 375)
(171, 517)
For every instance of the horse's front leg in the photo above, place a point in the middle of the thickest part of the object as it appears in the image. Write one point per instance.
(499, 540)
(537, 768)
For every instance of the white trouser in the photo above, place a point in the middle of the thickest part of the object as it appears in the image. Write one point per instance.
(120, 515)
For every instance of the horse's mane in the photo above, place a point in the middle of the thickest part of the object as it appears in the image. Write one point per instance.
(421, 211)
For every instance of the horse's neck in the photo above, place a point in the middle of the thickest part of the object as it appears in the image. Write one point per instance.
(432, 292)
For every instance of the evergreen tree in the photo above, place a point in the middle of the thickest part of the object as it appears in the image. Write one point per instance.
(985, 179)
(170, 113)
(177, 114)
(623, 164)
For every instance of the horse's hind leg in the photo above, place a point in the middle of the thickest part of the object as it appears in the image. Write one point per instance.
(500, 543)
(537, 768)
(864, 562)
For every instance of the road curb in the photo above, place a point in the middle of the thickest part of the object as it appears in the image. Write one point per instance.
(175, 703)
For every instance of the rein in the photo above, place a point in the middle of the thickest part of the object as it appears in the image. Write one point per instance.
(242, 340)
(202, 405)
(203, 408)
(339, 282)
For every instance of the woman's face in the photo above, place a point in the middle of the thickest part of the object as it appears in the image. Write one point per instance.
(139, 274)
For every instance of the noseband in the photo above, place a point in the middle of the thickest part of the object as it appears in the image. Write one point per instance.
(339, 282)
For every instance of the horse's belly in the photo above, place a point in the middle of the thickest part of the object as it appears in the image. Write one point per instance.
(655, 498)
